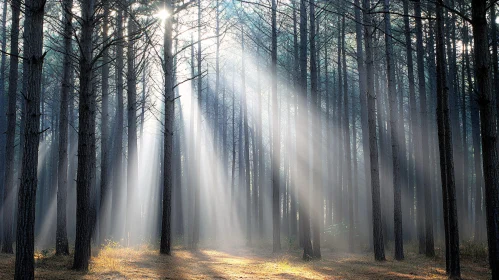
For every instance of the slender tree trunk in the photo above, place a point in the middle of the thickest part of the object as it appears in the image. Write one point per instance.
(9, 190)
(105, 200)
(166, 242)
(132, 168)
(62, 247)
(276, 141)
(413, 123)
(397, 196)
(118, 189)
(363, 109)
(379, 250)
(25, 238)
(424, 185)
(3, 108)
(446, 156)
(302, 115)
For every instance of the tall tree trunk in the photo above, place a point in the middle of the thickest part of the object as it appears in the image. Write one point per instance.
(197, 188)
(118, 189)
(424, 153)
(397, 196)
(379, 250)
(33, 47)
(9, 190)
(446, 156)
(488, 127)
(363, 109)
(315, 162)
(276, 141)
(302, 115)
(61, 246)
(105, 199)
(86, 136)
(247, 176)
(3, 108)
(132, 168)
(166, 242)
(413, 123)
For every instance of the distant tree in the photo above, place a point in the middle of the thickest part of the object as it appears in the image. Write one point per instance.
(61, 246)
(9, 186)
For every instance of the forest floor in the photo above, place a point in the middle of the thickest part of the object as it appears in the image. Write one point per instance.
(146, 263)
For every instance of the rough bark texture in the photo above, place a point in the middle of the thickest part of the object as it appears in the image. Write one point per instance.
(25, 237)
(166, 242)
(86, 140)
(488, 126)
(61, 245)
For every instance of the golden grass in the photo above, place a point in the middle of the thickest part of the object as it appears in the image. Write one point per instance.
(115, 262)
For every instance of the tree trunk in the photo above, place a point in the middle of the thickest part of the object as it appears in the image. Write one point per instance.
(105, 200)
(9, 189)
(3, 108)
(86, 136)
(488, 127)
(302, 115)
(132, 168)
(424, 185)
(379, 250)
(446, 156)
(118, 189)
(25, 238)
(61, 246)
(390, 70)
(276, 141)
(166, 242)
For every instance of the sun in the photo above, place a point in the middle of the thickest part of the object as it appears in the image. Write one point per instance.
(162, 14)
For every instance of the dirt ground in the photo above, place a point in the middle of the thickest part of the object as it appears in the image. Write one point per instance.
(145, 263)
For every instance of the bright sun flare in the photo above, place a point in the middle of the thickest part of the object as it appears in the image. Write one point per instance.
(162, 14)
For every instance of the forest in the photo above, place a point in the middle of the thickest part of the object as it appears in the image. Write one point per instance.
(255, 139)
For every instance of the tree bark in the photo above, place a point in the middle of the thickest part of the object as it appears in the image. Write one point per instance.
(488, 128)
(105, 199)
(302, 115)
(446, 156)
(33, 47)
(9, 187)
(61, 246)
(132, 168)
(86, 137)
(166, 242)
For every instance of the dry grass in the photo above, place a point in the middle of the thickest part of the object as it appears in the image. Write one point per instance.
(114, 262)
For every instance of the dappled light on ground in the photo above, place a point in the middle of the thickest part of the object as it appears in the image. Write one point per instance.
(145, 263)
